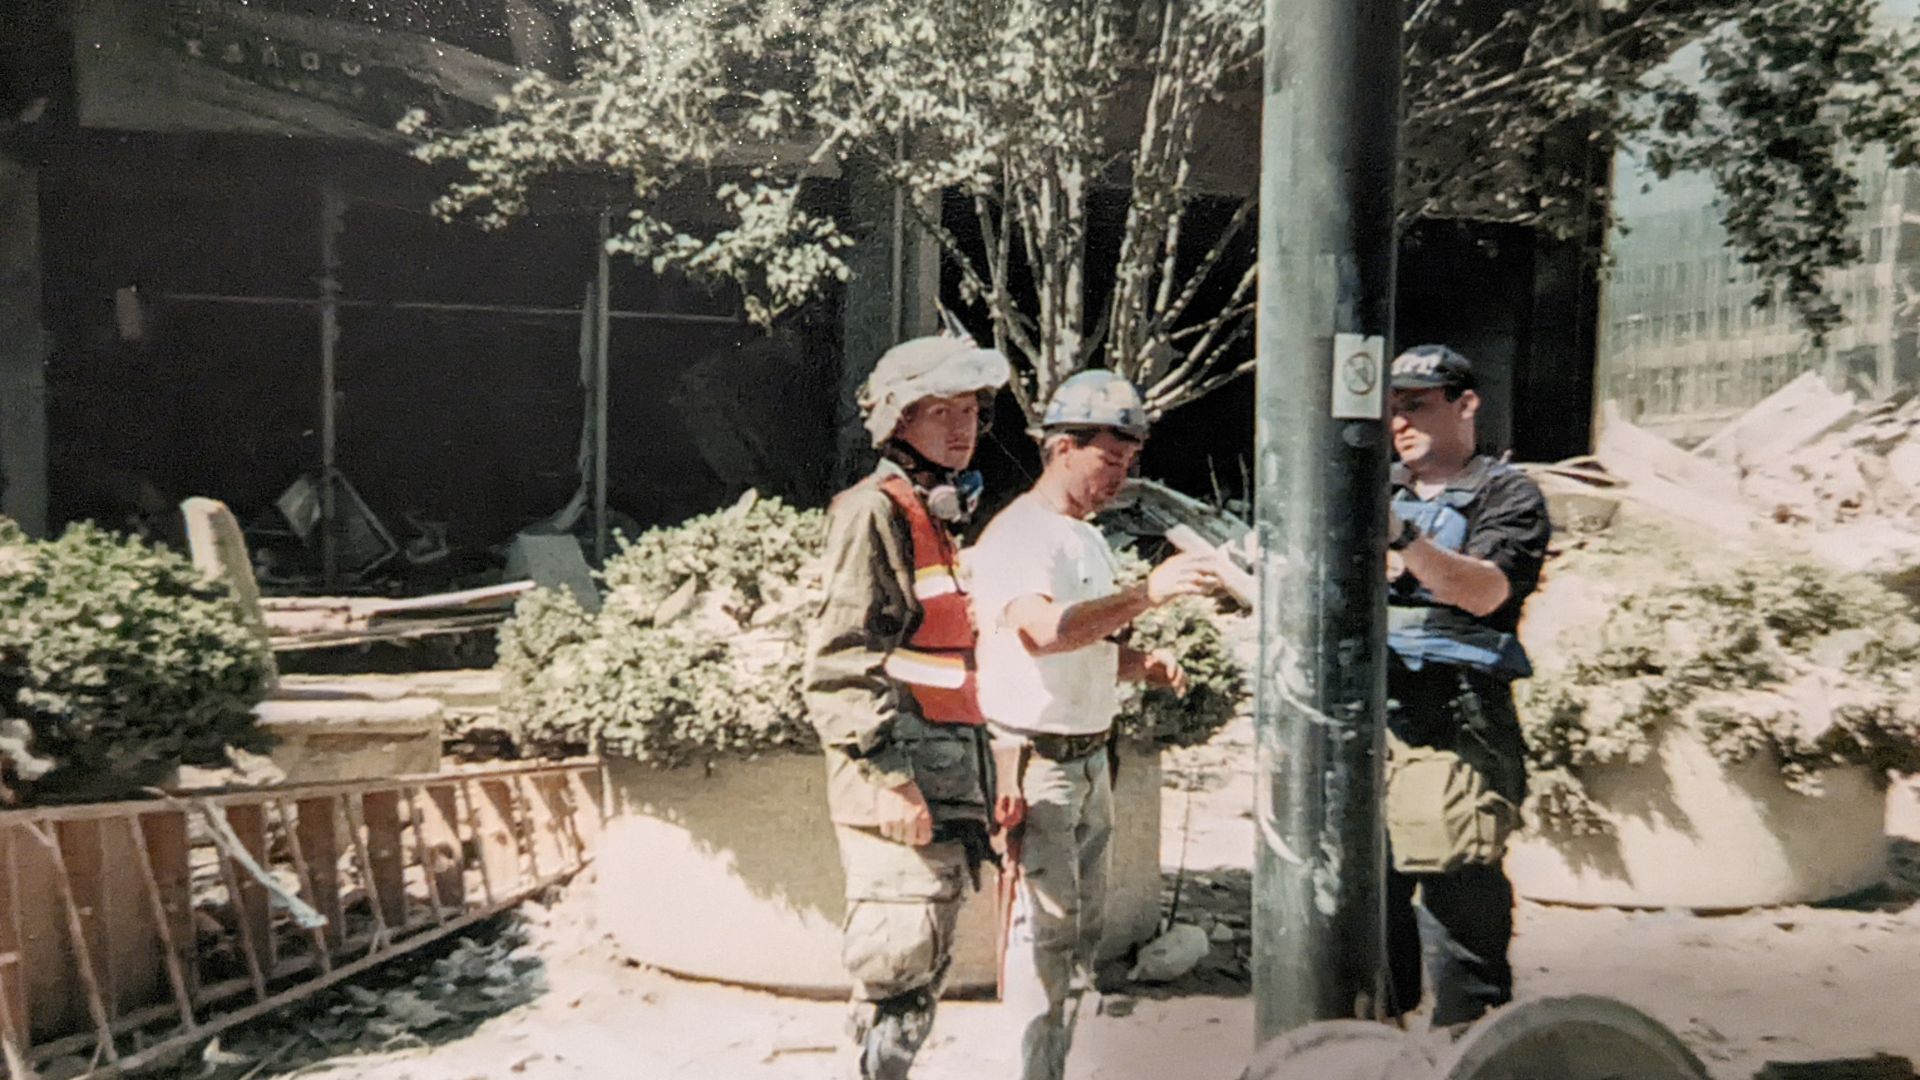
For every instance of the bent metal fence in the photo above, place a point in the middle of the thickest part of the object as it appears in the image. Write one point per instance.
(129, 931)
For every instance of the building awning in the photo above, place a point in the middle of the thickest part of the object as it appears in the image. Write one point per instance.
(211, 66)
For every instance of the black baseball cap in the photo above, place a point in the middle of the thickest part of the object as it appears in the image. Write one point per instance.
(1432, 367)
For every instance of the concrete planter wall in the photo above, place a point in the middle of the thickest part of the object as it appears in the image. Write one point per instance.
(338, 736)
(732, 874)
(1693, 833)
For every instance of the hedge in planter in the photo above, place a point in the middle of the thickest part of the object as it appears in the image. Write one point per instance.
(1193, 630)
(1731, 654)
(118, 664)
(697, 651)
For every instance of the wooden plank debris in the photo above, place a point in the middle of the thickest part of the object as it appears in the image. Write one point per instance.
(1239, 584)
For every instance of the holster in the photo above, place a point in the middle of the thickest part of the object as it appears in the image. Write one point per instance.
(972, 836)
(1441, 812)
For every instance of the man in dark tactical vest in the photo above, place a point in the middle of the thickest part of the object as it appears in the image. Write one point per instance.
(1468, 534)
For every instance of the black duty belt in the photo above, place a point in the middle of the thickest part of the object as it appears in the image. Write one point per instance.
(1068, 747)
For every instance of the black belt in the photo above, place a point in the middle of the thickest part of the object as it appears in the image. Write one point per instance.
(1068, 747)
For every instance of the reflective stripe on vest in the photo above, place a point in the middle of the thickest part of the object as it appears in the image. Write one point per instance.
(936, 660)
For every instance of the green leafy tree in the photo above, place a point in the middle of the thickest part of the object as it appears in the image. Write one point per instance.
(1025, 110)
(1774, 101)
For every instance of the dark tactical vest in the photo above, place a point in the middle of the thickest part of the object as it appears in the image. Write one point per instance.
(1421, 630)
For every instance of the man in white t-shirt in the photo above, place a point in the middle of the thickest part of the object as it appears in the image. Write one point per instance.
(1048, 607)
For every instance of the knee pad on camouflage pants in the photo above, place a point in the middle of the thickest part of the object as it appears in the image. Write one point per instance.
(901, 905)
(891, 947)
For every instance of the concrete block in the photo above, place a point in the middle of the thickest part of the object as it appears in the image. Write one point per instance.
(553, 562)
(323, 737)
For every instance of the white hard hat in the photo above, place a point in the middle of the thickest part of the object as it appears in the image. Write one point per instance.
(928, 367)
(1098, 398)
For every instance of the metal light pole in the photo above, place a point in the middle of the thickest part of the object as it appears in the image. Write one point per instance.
(1326, 308)
(333, 221)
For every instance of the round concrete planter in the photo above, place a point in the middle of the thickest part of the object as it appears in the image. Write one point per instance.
(731, 873)
(1693, 833)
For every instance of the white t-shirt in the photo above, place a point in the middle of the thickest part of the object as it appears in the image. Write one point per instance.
(1032, 548)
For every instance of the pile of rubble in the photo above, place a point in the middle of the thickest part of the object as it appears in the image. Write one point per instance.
(1840, 476)
(437, 995)
(1854, 485)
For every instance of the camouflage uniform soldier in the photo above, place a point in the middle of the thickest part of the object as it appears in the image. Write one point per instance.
(890, 687)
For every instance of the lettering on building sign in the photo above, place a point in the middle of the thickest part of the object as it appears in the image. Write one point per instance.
(367, 75)
(267, 55)
(325, 75)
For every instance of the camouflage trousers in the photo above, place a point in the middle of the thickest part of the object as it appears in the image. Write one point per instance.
(897, 943)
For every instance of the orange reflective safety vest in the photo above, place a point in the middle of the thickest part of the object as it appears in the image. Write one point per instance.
(936, 660)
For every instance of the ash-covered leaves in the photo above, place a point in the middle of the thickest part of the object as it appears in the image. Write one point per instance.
(117, 664)
(697, 651)
(1776, 658)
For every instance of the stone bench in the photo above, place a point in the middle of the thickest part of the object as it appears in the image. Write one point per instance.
(329, 729)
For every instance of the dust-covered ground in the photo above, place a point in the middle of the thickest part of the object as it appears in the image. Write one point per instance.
(550, 1000)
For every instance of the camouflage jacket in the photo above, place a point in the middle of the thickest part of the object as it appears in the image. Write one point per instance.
(870, 728)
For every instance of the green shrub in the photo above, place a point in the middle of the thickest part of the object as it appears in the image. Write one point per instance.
(547, 624)
(752, 553)
(1217, 689)
(697, 651)
(1724, 654)
(118, 663)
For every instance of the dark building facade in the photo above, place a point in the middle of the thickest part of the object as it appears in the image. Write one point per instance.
(241, 285)
(221, 275)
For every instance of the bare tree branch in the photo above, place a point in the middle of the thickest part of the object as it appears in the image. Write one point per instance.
(1233, 319)
(1171, 313)
(1199, 390)
(1016, 323)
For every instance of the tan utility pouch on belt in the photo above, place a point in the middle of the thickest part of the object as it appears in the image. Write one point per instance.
(1441, 815)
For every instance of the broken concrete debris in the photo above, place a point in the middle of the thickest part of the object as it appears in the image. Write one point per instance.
(1171, 955)
(1836, 476)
